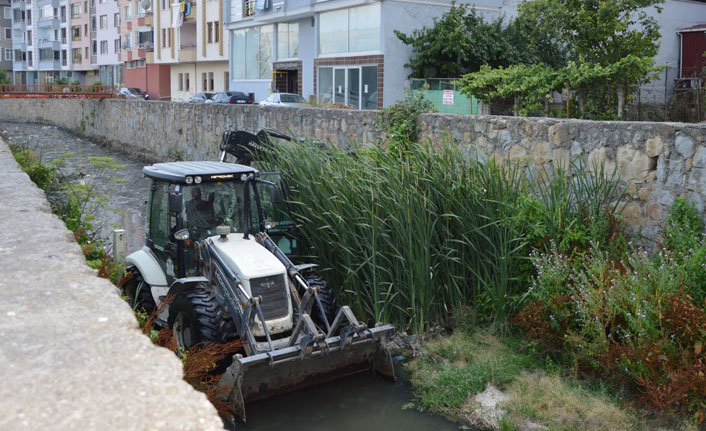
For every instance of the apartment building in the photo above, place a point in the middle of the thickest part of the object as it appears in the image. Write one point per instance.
(190, 39)
(139, 25)
(341, 51)
(107, 21)
(6, 36)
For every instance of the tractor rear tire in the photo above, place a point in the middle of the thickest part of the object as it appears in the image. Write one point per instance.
(139, 294)
(196, 318)
(327, 298)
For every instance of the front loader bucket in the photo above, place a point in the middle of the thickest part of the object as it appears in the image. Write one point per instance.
(287, 369)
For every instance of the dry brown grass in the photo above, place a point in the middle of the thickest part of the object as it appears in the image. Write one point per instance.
(558, 405)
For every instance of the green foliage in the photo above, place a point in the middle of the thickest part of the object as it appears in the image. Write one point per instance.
(683, 226)
(454, 369)
(462, 42)
(611, 46)
(30, 162)
(62, 81)
(531, 87)
(635, 319)
(400, 119)
(4, 77)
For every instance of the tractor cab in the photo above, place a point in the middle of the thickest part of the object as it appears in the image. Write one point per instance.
(187, 201)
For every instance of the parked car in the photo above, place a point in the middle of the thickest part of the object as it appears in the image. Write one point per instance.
(133, 93)
(284, 99)
(200, 97)
(230, 97)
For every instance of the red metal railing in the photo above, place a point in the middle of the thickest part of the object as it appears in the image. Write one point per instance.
(48, 91)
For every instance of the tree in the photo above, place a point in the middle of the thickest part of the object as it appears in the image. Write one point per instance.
(462, 42)
(610, 46)
(4, 77)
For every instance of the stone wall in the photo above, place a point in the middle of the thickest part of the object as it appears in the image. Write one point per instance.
(662, 160)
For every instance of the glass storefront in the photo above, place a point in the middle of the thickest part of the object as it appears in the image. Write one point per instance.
(355, 86)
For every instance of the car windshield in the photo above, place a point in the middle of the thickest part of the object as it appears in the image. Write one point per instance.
(207, 95)
(291, 98)
(208, 205)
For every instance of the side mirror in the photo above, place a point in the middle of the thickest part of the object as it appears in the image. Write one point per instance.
(176, 205)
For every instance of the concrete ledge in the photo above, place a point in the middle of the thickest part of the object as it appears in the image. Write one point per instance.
(71, 355)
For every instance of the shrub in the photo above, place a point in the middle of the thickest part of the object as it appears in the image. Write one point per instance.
(631, 319)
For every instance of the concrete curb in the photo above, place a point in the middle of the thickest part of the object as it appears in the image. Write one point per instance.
(71, 355)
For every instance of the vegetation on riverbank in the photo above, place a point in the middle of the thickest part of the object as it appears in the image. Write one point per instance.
(411, 233)
(77, 202)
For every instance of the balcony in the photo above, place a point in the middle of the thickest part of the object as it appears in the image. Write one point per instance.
(49, 64)
(19, 24)
(19, 4)
(187, 53)
(19, 66)
(53, 3)
(50, 23)
(47, 43)
(18, 44)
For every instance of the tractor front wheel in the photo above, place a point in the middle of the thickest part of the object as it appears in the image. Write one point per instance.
(327, 298)
(196, 318)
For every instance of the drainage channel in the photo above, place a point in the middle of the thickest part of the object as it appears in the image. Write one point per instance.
(355, 403)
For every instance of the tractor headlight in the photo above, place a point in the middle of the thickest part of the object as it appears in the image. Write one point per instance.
(189, 180)
(197, 180)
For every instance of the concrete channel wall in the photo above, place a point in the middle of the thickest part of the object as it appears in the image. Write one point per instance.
(662, 160)
(71, 354)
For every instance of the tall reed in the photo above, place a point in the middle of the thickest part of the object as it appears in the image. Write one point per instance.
(408, 233)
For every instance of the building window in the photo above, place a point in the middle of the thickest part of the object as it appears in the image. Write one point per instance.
(94, 48)
(85, 30)
(210, 81)
(216, 32)
(7, 12)
(93, 23)
(116, 20)
(63, 57)
(164, 38)
(8, 54)
(116, 45)
(76, 32)
(249, 7)
(85, 50)
(287, 40)
(251, 50)
(102, 1)
(204, 82)
(8, 33)
(104, 46)
(128, 12)
(85, 7)
(128, 40)
(209, 29)
(76, 55)
(46, 12)
(181, 82)
(104, 21)
(350, 30)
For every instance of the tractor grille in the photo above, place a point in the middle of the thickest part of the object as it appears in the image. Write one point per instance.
(273, 290)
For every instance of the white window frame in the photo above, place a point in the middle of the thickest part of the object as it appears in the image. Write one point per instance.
(8, 54)
(7, 12)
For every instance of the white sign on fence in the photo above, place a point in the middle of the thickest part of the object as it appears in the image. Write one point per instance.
(448, 97)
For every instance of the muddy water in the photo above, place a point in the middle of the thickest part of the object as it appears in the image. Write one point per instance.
(364, 402)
